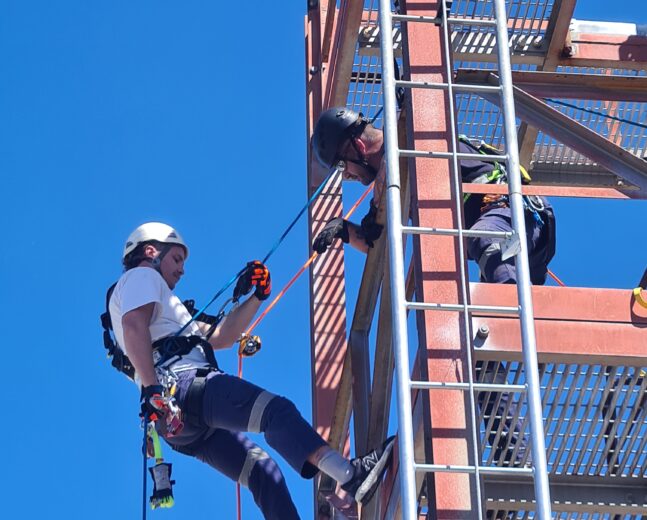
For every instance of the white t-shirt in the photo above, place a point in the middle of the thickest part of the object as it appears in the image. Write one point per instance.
(143, 285)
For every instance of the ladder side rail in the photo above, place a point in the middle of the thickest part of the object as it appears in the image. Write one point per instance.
(396, 271)
(528, 337)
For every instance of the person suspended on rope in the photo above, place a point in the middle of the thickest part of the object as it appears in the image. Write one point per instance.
(343, 137)
(180, 372)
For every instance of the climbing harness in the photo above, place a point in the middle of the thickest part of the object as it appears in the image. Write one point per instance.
(163, 349)
(498, 175)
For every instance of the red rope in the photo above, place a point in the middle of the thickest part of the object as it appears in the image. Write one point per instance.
(554, 277)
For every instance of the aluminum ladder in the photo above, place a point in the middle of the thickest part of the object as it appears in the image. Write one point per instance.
(395, 231)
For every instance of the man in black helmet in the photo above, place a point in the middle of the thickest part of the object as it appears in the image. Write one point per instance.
(347, 140)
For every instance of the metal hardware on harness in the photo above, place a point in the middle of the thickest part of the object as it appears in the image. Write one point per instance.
(248, 345)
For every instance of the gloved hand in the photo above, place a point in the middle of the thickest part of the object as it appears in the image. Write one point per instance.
(335, 228)
(155, 406)
(256, 274)
(162, 486)
(370, 229)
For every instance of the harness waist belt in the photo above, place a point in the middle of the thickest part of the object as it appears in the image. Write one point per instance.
(172, 346)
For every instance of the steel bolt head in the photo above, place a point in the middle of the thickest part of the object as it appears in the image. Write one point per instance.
(483, 332)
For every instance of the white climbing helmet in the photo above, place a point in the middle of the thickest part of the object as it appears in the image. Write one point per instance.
(153, 231)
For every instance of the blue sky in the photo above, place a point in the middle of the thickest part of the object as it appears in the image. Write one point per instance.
(116, 113)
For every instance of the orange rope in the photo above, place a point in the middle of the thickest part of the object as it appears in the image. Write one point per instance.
(303, 268)
(554, 277)
(274, 302)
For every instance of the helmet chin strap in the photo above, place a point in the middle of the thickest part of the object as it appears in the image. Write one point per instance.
(156, 263)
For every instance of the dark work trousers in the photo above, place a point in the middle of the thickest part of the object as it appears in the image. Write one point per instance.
(487, 251)
(500, 410)
(231, 406)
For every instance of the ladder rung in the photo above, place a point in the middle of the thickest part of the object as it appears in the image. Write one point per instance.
(420, 306)
(449, 155)
(437, 21)
(483, 470)
(461, 87)
(502, 235)
(481, 387)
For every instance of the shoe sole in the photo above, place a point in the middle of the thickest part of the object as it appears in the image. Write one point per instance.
(366, 491)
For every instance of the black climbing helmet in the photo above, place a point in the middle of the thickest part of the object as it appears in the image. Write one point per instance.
(334, 127)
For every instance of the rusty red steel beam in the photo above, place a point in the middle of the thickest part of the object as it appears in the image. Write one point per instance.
(566, 342)
(607, 51)
(327, 288)
(436, 264)
(573, 324)
(567, 303)
(558, 191)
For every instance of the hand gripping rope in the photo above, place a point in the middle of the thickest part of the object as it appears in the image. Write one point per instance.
(267, 256)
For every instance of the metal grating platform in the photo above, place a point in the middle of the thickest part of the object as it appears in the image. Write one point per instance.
(531, 26)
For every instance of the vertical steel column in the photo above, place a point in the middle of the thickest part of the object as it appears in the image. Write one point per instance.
(528, 339)
(396, 268)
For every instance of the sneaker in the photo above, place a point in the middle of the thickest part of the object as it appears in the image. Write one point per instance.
(368, 471)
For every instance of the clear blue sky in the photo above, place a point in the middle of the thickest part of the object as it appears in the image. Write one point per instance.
(113, 113)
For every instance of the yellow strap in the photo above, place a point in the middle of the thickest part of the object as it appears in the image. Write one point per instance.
(639, 297)
(157, 447)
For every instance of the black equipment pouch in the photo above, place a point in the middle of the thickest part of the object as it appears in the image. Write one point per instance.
(550, 229)
(118, 359)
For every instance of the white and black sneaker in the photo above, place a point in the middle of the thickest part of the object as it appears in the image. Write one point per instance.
(368, 471)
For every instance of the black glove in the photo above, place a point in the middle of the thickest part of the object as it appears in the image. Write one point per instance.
(155, 406)
(162, 486)
(256, 274)
(335, 228)
(370, 229)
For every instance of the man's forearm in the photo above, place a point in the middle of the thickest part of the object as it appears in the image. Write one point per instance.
(230, 329)
(356, 238)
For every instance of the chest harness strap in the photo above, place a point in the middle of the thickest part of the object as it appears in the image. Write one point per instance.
(163, 349)
(498, 175)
